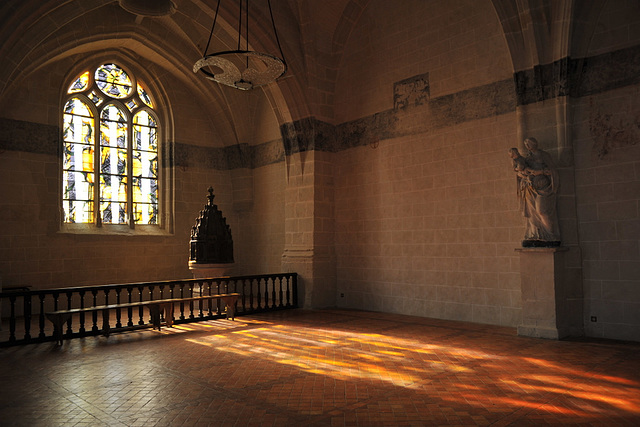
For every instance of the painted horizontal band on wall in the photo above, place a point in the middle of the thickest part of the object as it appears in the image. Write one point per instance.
(579, 77)
(566, 77)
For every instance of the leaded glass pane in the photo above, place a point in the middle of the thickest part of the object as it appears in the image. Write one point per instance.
(78, 196)
(113, 198)
(113, 127)
(80, 84)
(95, 98)
(78, 129)
(145, 164)
(113, 212)
(145, 135)
(113, 81)
(112, 113)
(78, 162)
(76, 107)
(145, 190)
(78, 185)
(145, 200)
(113, 188)
(145, 119)
(144, 96)
(78, 211)
(113, 160)
(145, 213)
(131, 104)
(78, 157)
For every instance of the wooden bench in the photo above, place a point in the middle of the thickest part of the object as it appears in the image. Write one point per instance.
(156, 308)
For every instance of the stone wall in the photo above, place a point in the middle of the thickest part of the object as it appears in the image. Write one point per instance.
(460, 45)
(258, 231)
(36, 253)
(198, 152)
(426, 214)
(607, 144)
(427, 225)
(393, 190)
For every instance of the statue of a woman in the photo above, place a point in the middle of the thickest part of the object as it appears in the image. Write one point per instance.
(537, 188)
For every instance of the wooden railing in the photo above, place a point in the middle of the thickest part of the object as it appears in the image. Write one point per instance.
(23, 311)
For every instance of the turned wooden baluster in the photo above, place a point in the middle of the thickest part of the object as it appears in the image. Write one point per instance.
(105, 318)
(209, 302)
(288, 292)
(41, 334)
(118, 313)
(191, 316)
(12, 319)
(251, 295)
(181, 302)
(200, 303)
(259, 295)
(141, 309)
(218, 302)
(129, 309)
(161, 287)
(27, 316)
(69, 306)
(151, 289)
(94, 315)
(82, 329)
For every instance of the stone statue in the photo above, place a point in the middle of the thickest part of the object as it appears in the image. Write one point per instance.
(537, 188)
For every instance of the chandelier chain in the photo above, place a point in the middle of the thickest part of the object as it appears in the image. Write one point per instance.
(215, 18)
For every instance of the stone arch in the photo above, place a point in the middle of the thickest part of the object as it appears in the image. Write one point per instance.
(540, 32)
(29, 51)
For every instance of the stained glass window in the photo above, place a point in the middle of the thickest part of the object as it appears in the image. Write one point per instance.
(78, 162)
(80, 83)
(113, 81)
(131, 104)
(95, 98)
(110, 156)
(144, 96)
(145, 168)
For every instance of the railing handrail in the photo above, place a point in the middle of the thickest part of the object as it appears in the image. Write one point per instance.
(138, 284)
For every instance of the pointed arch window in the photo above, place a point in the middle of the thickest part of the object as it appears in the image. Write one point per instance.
(110, 160)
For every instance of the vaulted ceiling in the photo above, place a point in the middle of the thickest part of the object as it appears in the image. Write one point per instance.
(38, 36)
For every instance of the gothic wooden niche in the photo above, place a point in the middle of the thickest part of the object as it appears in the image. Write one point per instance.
(211, 241)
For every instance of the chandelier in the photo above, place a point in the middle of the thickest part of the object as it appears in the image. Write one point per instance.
(242, 69)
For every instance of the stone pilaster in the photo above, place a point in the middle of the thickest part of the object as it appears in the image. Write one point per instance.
(309, 226)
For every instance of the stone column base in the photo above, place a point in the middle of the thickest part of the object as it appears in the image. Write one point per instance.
(316, 276)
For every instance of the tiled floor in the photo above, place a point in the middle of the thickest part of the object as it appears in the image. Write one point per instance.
(321, 368)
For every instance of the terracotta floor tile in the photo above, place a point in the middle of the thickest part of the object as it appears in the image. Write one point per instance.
(321, 368)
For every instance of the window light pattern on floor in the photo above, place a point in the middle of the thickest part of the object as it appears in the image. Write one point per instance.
(322, 368)
(411, 363)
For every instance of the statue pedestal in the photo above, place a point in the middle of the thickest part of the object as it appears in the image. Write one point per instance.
(551, 302)
(209, 271)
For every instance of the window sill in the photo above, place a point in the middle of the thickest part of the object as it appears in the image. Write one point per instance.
(114, 230)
